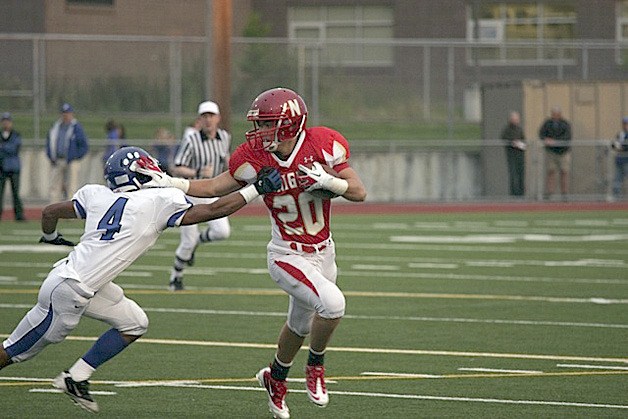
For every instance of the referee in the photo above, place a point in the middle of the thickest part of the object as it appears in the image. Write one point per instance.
(202, 154)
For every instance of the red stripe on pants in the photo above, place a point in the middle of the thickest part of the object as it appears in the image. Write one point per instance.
(297, 274)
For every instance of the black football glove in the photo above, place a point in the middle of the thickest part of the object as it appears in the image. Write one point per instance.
(268, 180)
(59, 240)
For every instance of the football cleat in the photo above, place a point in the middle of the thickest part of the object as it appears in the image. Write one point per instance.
(315, 385)
(176, 284)
(276, 391)
(78, 391)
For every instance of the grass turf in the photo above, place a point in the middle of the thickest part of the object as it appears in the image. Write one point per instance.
(458, 300)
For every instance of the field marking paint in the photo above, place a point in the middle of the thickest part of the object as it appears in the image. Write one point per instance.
(375, 267)
(471, 247)
(421, 397)
(56, 390)
(508, 238)
(8, 278)
(275, 292)
(399, 374)
(360, 317)
(500, 370)
(595, 367)
(387, 351)
(30, 248)
(381, 395)
(409, 275)
(431, 265)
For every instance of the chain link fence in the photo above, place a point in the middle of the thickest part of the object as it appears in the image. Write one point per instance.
(404, 104)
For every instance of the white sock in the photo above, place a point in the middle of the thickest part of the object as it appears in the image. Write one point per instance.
(81, 370)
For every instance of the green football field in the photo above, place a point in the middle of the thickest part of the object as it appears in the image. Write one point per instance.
(448, 315)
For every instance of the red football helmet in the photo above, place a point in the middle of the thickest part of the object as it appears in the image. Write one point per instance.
(277, 115)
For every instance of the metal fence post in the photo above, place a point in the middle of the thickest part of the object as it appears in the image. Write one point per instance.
(36, 92)
(585, 63)
(315, 83)
(175, 84)
(426, 82)
(450, 92)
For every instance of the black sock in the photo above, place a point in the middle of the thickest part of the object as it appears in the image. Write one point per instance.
(279, 371)
(315, 358)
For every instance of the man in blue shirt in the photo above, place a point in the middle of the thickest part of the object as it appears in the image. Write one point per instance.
(10, 142)
(66, 145)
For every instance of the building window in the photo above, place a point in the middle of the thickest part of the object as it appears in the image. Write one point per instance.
(350, 23)
(536, 23)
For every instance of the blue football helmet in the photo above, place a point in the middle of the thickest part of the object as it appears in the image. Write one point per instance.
(118, 173)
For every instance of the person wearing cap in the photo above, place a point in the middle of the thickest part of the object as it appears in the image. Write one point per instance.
(620, 145)
(556, 136)
(202, 154)
(66, 145)
(10, 143)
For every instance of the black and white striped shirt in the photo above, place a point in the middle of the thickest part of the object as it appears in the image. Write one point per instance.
(197, 151)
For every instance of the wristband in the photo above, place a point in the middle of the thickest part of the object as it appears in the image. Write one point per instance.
(249, 193)
(180, 183)
(337, 185)
(51, 236)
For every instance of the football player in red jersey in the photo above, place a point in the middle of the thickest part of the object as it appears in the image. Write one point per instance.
(301, 253)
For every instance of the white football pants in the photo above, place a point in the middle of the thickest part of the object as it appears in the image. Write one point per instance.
(60, 304)
(310, 280)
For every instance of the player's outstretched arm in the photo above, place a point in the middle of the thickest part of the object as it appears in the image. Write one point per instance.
(50, 217)
(268, 180)
(220, 185)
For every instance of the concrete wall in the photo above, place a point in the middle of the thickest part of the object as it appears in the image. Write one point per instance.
(389, 177)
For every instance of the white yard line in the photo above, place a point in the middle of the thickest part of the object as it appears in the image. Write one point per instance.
(205, 271)
(594, 367)
(358, 317)
(399, 374)
(144, 289)
(55, 390)
(385, 351)
(182, 384)
(500, 370)
(421, 397)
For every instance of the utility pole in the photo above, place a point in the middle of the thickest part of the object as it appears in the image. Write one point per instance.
(222, 15)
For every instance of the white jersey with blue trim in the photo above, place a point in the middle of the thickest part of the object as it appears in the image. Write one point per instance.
(119, 228)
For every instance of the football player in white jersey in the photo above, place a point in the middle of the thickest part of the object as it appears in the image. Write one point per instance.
(122, 221)
(314, 167)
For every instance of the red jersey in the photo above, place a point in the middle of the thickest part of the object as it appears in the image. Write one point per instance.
(296, 215)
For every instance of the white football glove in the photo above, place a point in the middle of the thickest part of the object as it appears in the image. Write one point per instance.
(160, 179)
(317, 178)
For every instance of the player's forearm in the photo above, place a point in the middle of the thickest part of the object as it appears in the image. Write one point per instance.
(356, 191)
(220, 185)
(223, 207)
(52, 213)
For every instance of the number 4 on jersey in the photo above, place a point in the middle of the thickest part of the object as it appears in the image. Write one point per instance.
(111, 220)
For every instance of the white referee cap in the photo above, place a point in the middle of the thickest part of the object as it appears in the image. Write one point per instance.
(208, 107)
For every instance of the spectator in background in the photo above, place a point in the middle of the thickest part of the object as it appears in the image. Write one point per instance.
(620, 145)
(66, 145)
(514, 138)
(556, 136)
(164, 148)
(113, 139)
(10, 143)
